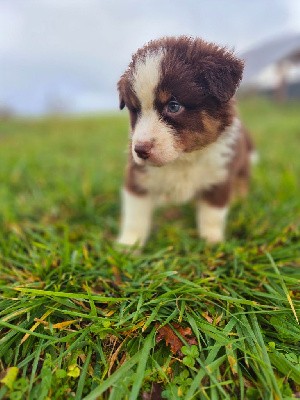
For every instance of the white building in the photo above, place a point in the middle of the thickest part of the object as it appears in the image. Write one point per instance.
(274, 66)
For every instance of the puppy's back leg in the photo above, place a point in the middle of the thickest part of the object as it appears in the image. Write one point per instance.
(241, 183)
(135, 219)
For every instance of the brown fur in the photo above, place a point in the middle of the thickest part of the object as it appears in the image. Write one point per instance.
(133, 171)
(192, 68)
(163, 96)
(239, 173)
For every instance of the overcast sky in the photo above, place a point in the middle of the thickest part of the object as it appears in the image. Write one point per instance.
(73, 51)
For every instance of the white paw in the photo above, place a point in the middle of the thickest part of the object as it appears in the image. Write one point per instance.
(131, 239)
(213, 235)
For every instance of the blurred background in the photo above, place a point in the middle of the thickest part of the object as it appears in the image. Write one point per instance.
(66, 56)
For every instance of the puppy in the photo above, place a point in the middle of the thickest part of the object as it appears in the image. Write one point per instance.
(186, 139)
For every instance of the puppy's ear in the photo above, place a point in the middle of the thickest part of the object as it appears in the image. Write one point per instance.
(221, 75)
(122, 102)
(121, 85)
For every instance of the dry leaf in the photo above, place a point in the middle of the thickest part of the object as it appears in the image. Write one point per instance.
(167, 334)
(207, 317)
(187, 334)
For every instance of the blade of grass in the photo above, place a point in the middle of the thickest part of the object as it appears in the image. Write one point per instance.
(139, 375)
(77, 296)
(81, 382)
(283, 285)
(34, 365)
(119, 373)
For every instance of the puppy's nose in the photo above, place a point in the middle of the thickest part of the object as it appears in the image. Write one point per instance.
(143, 149)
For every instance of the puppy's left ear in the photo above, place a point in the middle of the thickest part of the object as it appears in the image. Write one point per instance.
(120, 89)
(222, 75)
(122, 102)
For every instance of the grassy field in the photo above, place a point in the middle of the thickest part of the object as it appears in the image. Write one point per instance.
(78, 319)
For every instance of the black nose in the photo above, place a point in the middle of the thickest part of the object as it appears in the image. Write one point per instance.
(143, 149)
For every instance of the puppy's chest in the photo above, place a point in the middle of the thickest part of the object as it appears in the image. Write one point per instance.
(180, 181)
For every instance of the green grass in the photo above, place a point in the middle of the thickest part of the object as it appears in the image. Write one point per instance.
(78, 319)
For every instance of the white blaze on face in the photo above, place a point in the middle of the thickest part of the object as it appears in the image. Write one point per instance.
(146, 78)
(149, 126)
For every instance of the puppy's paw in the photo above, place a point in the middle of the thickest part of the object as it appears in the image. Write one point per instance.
(130, 239)
(129, 244)
(213, 236)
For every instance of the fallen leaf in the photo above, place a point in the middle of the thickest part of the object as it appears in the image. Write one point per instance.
(186, 333)
(167, 334)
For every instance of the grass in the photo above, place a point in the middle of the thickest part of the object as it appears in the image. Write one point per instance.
(78, 319)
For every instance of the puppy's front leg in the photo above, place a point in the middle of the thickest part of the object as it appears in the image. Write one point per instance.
(211, 221)
(212, 208)
(136, 218)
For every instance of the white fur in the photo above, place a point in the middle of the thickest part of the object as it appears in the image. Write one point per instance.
(136, 219)
(150, 128)
(179, 181)
(211, 222)
(146, 78)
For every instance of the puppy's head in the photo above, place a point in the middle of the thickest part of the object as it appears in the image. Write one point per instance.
(178, 92)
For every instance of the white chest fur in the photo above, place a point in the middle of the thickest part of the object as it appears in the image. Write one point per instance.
(178, 182)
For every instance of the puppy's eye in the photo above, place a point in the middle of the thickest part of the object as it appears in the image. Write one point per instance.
(173, 107)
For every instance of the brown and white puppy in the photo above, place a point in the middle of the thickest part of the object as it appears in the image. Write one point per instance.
(186, 140)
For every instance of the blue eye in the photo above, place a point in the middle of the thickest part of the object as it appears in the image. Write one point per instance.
(173, 107)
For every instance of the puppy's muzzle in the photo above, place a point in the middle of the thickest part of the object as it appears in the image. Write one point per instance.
(143, 149)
